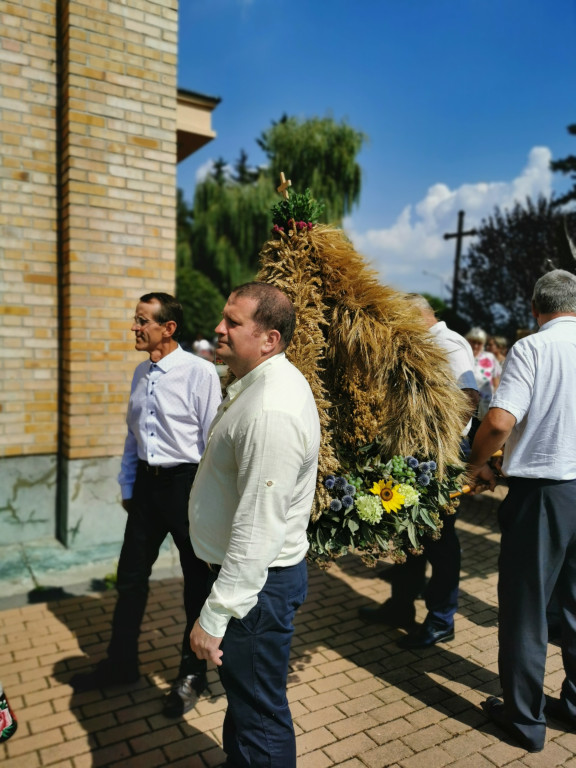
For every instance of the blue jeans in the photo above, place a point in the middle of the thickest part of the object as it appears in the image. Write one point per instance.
(258, 729)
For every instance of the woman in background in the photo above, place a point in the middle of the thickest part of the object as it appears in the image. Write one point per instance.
(487, 369)
(498, 346)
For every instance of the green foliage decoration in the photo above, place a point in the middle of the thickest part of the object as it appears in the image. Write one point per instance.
(296, 211)
(345, 525)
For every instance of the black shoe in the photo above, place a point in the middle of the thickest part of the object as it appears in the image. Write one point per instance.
(426, 635)
(104, 675)
(494, 708)
(389, 613)
(184, 695)
(556, 709)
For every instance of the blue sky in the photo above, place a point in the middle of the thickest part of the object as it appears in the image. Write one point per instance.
(464, 102)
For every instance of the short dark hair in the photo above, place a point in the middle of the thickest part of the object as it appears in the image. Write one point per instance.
(555, 292)
(274, 310)
(170, 309)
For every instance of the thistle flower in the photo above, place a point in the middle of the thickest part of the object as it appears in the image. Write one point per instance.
(335, 505)
(340, 483)
(347, 502)
(423, 479)
(412, 462)
(329, 483)
(350, 490)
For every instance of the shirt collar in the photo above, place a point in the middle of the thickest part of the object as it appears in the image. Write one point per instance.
(170, 360)
(249, 378)
(555, 320)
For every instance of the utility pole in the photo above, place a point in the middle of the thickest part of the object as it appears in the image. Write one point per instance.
(459, 235)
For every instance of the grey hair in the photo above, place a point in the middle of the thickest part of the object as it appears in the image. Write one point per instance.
(555, 292)
(476, 334)
(419, 301)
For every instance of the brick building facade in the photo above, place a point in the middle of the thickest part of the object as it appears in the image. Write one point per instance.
(91, 128)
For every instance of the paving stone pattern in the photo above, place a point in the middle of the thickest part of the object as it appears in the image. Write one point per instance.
(357, 699)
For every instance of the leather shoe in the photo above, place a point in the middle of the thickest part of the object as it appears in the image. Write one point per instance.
(494, 708)
(426, 635)
(184, 695)
(104, 675)
(557, 709)
(389, 613)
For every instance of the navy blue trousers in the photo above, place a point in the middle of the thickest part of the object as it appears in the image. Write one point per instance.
(159, 507)
(441, 592)
(258, 729)
(537, 559)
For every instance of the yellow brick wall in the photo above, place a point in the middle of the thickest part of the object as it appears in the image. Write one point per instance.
(28, 294)
(113, 236)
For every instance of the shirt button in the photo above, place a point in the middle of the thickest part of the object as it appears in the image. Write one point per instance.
(269, 483)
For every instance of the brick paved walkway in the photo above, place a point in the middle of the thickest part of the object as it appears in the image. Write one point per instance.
(357, 699)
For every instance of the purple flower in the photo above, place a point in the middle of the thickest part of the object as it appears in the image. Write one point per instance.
(412, 462)
(347, 502)
(329, 483)
(432, 465)
(424, 466)
(350, 490)
(423, 479)
(340, 483)
(335, 505)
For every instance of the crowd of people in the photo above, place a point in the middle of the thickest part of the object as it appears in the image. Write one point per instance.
(233, 480)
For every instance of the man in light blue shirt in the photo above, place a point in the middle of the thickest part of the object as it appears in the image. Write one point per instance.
(249, 511)
(173, 399)
(533, 415)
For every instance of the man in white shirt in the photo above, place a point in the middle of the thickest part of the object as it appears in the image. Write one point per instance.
(173, 399)
(408, 580)
(532, 415)
(249, 511)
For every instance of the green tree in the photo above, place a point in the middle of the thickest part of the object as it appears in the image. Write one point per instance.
(566, 166)
(201, 301)
(231, 222)
(513, 249)
(318, 154)
(232, 209)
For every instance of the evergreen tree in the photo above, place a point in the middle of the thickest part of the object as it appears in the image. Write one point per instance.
(567, 166)
(201, 301)
(243, 174)
(513, 249)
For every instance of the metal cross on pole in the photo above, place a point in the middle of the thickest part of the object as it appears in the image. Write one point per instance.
(284, 184)
(459, 235)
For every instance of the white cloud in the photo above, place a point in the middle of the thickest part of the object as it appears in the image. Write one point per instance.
(206, 169)
(412, 254)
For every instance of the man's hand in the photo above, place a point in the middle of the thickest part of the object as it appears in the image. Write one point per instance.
(481, 478)
(205, 646)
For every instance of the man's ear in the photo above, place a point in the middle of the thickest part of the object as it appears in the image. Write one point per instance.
(271, 341)
(170, 328)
